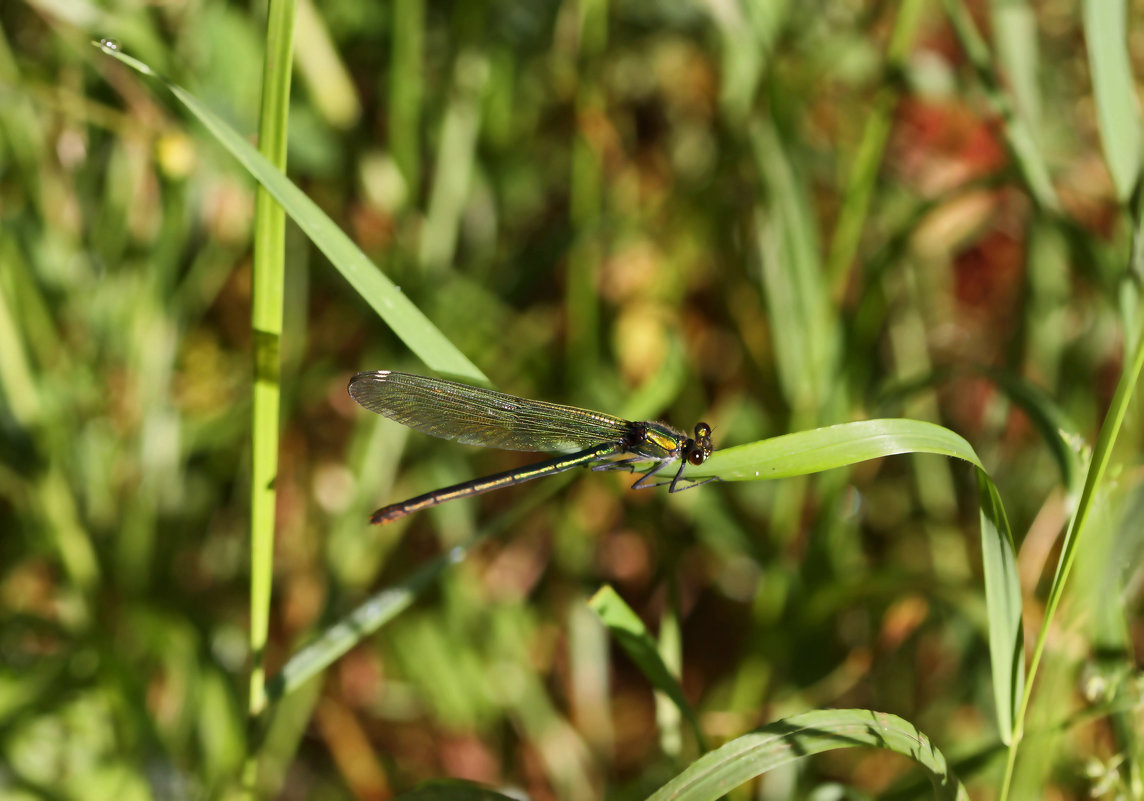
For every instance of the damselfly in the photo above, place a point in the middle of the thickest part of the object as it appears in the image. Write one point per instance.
(477, 416)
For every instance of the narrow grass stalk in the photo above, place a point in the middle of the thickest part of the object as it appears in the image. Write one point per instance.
(1102, 455)
(266, 321)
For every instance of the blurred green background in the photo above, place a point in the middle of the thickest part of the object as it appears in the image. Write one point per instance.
(769, 216)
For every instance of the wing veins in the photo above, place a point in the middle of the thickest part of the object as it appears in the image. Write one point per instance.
(478, 416)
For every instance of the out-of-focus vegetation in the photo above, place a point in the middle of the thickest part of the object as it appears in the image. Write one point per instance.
(770, 216)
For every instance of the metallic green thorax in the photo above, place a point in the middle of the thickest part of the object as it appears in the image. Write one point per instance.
(655, 441)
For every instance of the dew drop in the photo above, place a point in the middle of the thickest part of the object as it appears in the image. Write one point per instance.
(109, 44)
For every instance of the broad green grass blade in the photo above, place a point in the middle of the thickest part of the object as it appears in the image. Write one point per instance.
(1117, 107)
(819, 449)
(837, 446)
(625, 625)
(406, 320)
(1058, 431)
(744, 758)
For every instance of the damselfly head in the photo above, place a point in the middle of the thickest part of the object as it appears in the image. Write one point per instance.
(700, 448)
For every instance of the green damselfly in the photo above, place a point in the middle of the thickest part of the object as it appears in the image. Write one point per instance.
(477, 416)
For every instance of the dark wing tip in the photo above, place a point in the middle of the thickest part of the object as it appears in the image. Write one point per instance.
(359, 383)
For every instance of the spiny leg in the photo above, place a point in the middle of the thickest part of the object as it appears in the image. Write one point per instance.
(620, 464)
(674, 484)
(641, 482)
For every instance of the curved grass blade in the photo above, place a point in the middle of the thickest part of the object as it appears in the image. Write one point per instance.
(716, 773)
(837, 446)
(404, 318)
(819, 449)
(1056, 429)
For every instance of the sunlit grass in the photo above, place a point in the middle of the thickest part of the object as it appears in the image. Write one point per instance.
(802, 228)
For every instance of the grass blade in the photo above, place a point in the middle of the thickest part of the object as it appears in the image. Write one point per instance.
(459, 133)
(1094, 480)
(266, 313)
(863, 171)
(407, 90)
(813, 451)
(1015, 34)
(802, 317)
(1003, 604)
(1018, 135)
(629, 631)
(266, 322)
(405, 319)
(714, 774)
(1116, 106)
(367, 618)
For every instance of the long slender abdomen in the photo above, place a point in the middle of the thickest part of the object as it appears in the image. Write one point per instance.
(395, 511)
